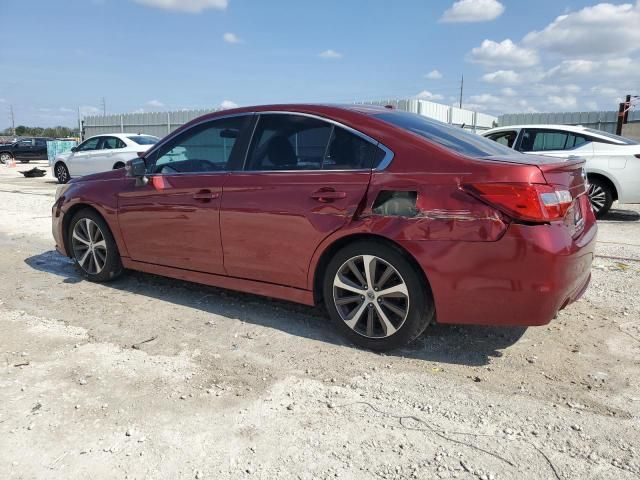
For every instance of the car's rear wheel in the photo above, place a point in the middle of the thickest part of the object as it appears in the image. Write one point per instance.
(118, 165)
(61, 172)
(600, 196)
(376, 297)
(93, 248)
(5, 157)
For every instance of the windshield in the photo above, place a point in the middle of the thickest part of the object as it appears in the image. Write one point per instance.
(617, 138)
(144, 139)
(454, 138)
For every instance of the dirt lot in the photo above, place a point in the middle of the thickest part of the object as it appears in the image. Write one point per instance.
(237, 386)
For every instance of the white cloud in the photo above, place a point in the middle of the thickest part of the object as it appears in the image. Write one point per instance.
(330, 54)
(473, 11)
(484, 98)
(599, 30)
(227, 104)
(563, 102)
(88, 110)
(66, 110)
(427, 95)
(509, 92)
(231, 38)
(624, 68)
(505, 53)
(433, 75)
(155, 104)
(503, 77)
(2, 100)
(189, 6)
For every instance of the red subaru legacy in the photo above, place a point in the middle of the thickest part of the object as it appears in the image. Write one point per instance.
(393, 220)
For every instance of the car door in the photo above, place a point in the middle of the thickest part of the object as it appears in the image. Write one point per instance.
(24, 150)
(554, 143)
(79, 162)
(303, 179)
(40, 149)
(174, 218)
(102, 159)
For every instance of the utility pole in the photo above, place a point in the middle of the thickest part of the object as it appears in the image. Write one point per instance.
(13, 120)
(104, 107)
(623, 113)
(79, 125)
(461, 88)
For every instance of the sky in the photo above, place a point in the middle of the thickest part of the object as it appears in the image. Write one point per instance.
(58, 57)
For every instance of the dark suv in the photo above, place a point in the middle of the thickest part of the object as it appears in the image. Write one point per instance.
(25, 149)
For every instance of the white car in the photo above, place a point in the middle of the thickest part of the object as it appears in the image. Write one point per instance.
(100, 153)
(613, 162)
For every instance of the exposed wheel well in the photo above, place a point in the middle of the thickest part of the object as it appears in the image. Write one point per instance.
(67, 220)
(118, 165)
(59, 162)
(602, 178)
(324, 259)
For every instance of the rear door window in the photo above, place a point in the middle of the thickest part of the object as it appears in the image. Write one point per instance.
(298, 142)
(539, 140)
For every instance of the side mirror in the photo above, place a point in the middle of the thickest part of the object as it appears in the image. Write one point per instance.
(74, 149)
(136, 168)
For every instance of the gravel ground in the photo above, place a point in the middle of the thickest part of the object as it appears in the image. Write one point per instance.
(154, 378)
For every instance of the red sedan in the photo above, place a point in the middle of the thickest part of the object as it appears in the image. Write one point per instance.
(393, 220)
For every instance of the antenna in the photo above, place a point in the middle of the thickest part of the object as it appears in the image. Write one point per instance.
(461, 88)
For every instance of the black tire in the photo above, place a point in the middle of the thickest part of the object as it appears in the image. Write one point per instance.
(112, 267)
(118, 165)
(5, 157)
(600, 196)
(419, 307)
(61, 172)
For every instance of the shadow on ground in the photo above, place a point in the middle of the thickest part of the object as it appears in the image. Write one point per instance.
(465, 345)
(616, 215)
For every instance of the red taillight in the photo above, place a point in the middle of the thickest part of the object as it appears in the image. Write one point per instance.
(524, 201)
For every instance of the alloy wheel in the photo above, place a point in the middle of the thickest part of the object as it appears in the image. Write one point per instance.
(61, 173)
(371, 296)
(5, 157)
(597, 197)
(89, 246)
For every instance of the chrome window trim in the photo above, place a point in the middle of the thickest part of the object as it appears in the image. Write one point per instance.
(383, 164)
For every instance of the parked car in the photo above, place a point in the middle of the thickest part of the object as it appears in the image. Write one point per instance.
(100, 153)
(25, 150)
(393, 220)
(613, 162)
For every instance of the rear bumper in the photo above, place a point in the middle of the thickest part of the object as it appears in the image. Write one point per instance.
(524, 278)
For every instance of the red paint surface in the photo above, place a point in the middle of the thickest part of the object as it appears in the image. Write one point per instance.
(266, 233)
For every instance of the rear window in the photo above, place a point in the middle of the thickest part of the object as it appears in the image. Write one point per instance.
(453, 138)
(615, 138)
(144, 139)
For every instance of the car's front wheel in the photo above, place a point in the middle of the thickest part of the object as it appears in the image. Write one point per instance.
(61, 172)
(376, 297)
(93, 248)
(600, 196)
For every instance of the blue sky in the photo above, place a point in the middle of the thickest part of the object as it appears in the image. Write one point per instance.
(547, 55)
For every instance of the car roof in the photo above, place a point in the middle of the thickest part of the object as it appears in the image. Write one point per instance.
(120, 135)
